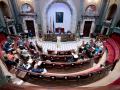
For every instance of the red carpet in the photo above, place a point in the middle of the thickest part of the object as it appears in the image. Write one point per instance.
(117, 82)
(2, 37)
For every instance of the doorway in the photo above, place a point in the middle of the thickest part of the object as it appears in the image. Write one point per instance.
(112, 12)
(11, 30)
(30, 26)
(105, 31)
(87, 28)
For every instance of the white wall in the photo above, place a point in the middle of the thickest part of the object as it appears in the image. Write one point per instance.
(59, 7)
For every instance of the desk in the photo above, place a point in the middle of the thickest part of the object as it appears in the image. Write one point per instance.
(59, 30)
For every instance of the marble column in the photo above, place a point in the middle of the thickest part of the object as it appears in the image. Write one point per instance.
(92, 28)
(36, 31)
(82, 27)
(102, 29)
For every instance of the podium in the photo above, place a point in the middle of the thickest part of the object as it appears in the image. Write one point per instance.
(59, 30)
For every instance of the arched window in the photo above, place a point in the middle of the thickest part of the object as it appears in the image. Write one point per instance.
(27, 8)
(90, 10)
(112, 11)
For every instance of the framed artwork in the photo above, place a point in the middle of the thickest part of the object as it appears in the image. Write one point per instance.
(59, 17)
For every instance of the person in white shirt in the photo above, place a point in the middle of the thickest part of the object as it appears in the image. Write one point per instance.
(75, 56)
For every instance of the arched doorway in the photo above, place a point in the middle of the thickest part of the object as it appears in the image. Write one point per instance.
(28, 16)
(110, 16)
(88, 23)
(59, 18)
(4, 9)
(118, 24)
(112, 12)
(70, 4)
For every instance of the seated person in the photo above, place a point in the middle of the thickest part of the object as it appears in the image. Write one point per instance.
(75, 56)
(30, 60)
(20, 43)
(28, 65)
(10, 59)
(81, 49)
(31, 45)
(38, 70)
(82, 56)
(87, 45)
(101, 48)
(7, 47)
(10, 56)
(89, 53)
(97, 50)
(70, 59)
(92, 43)
(24, 53)
(9, 40)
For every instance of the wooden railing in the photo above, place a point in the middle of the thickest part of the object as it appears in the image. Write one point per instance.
(82, 78)
(64, 37)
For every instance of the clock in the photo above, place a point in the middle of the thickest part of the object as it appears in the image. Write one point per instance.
(26, 8)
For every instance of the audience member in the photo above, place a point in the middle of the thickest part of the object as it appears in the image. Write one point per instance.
(32, 46)
(37, 69)
(75, 56)
(25, 54)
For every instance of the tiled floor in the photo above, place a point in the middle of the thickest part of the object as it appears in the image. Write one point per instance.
(48, 45)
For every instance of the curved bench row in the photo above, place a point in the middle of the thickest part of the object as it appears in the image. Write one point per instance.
(62, 58)
(116, 48)
(83, 65)
(111, 53)
(116, 38)
(85, 77)
(91, 74)
(56, 58)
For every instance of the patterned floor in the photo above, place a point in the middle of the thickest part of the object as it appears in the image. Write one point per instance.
(47, 45)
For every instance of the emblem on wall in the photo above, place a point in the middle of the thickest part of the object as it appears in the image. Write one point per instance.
(27, 8)
(90, 10)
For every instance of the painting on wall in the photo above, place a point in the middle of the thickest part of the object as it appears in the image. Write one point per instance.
(59, 17)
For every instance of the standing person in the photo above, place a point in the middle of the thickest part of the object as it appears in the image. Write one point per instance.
(58, 41)
(30, 34)
(26, 33)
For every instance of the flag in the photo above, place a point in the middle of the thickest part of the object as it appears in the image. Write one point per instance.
(53, 26)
